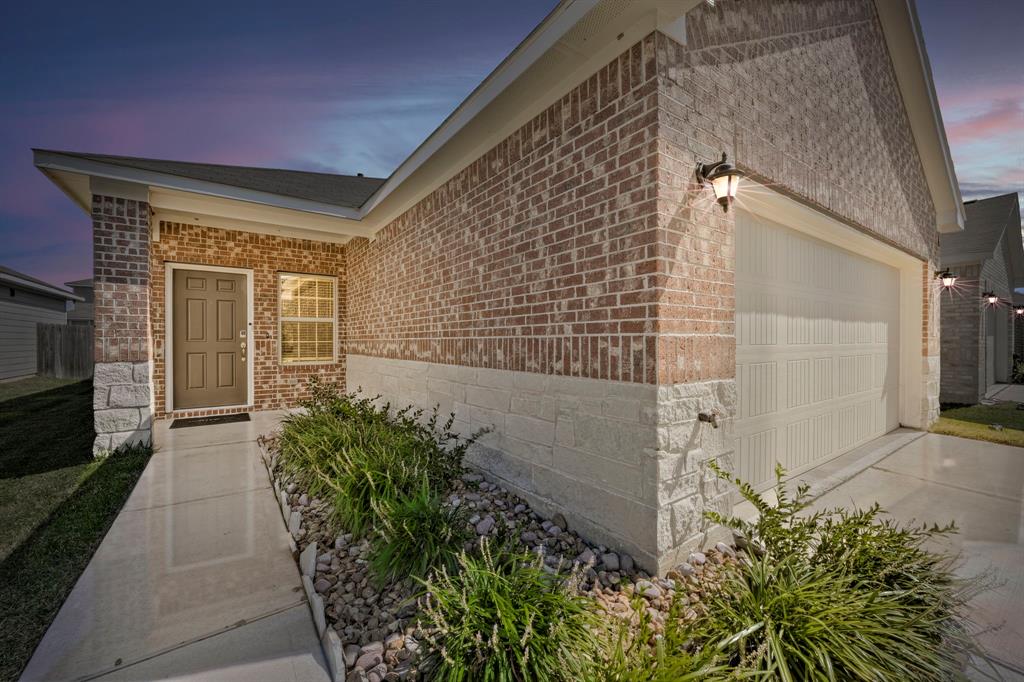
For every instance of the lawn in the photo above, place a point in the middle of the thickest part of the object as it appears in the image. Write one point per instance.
(976, 422)
(56, 504)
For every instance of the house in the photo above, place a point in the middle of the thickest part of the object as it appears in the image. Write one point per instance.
(24, 302)
(81, 313)
(979, 311)
(548, 264)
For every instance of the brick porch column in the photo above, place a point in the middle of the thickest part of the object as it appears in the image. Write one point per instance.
(122, 383)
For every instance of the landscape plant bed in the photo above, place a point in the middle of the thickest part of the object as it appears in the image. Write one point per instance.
(377, 624)
(448, 576)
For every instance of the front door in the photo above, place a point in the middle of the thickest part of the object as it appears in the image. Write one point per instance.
(209, 343)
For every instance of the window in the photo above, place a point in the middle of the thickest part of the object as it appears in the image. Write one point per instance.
(307, 318)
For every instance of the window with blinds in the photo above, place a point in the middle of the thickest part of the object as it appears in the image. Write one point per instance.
(308, 306)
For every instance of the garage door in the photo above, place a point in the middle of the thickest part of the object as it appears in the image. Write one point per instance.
(817, 349)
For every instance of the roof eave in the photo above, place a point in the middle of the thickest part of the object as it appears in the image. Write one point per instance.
(43, 289)
(902, 32)
(47, 160)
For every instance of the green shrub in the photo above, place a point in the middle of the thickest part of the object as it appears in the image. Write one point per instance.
(792, 620)
(672, 657)
(416, 534)
(364, 457)
(836, 594)
(507, 620)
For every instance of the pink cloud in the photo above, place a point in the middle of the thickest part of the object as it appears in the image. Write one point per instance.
(1004, 116)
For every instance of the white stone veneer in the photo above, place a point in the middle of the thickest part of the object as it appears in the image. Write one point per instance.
(122, 404)
(622, 462)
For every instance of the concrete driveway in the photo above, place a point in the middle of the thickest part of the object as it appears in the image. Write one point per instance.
(978, 485)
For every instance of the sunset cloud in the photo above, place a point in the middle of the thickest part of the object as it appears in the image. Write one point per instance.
(1003, 117)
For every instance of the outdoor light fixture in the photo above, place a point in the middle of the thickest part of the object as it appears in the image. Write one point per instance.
(724, 178)
(990, 297)
(1019, 310)
(947, 278)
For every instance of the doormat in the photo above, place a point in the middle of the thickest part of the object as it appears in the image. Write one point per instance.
(210, 421)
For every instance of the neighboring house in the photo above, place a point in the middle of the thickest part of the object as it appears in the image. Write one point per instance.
(81, 313)
(547, 264)
(978, 337)
(24, 302)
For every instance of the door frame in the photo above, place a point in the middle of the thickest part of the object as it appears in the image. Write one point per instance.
(767, 203)
(169, 331)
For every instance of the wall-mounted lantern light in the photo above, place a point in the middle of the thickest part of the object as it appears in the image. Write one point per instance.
(991, 298)
(947, 278)
(724, 179)
(1019, 310)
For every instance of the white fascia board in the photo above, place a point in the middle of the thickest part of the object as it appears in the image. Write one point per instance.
(902, 32)
(534, 46)
(52, 161)
(53, 292)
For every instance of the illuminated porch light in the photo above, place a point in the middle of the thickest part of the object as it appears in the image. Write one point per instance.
(990, 297)
(723, 177)
(1019, 310)
(947, 278)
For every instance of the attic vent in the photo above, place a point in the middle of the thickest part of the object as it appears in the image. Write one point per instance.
(595, 20)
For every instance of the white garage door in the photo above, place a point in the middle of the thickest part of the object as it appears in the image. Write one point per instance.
(817, 349)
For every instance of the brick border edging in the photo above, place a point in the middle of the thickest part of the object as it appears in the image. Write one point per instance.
(330, 643)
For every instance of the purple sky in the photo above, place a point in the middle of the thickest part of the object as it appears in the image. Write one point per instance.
(347, 87)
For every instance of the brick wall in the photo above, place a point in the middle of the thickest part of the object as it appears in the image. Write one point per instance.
(963, 350)
(122, 398)
(580, 246)
(802, 95)
(537, 257)
(275, 385)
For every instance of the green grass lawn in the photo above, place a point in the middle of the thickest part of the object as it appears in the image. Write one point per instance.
(976, 422)
(56, 504)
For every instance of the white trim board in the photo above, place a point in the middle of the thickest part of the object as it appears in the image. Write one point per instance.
(169, 269)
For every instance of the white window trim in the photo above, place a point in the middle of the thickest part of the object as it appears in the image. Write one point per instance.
(169, 333)
(334, 320)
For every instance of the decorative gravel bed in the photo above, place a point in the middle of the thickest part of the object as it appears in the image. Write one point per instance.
(377, 626)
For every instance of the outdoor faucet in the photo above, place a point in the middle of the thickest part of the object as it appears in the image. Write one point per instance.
(709, 417)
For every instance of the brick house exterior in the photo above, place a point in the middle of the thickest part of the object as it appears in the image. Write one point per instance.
(980, 340)
(572, 286)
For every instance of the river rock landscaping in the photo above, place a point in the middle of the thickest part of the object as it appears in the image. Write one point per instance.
(377, 624)
(390, 531)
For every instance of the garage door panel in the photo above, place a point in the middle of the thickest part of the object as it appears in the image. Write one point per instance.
(817, 349)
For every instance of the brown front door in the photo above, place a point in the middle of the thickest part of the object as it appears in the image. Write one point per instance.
(210, 341)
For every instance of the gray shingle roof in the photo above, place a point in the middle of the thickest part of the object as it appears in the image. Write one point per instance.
(349, 191)
(987, 220)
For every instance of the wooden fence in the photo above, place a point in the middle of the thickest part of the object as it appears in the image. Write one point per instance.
(64, 350)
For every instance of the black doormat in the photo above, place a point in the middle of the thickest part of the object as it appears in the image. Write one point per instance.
(210, 421)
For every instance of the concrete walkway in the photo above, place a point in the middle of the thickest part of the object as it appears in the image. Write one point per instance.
(1009, 392)
(978, 485)
(195, 579)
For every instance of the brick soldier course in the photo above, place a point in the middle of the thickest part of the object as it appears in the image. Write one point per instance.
(573, 288)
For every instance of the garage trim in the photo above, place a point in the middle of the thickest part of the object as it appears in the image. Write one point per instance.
(766, 203)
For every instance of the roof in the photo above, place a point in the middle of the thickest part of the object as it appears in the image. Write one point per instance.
(20, 279)
(87, 282)
(349, 191)
(988, 220)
